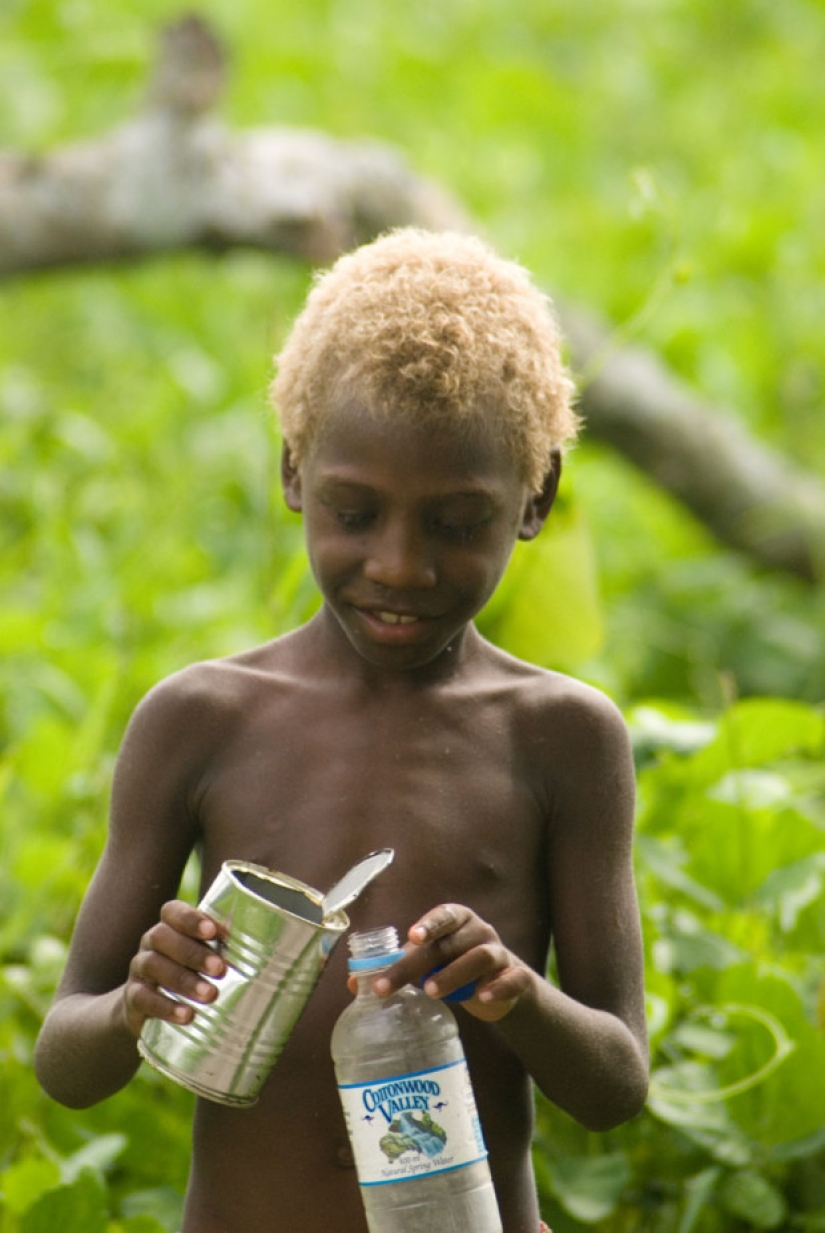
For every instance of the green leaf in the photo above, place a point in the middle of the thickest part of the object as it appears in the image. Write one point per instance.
(97, 1155)
(162, 1204)
(797, 1149)
(758, 731)
(547, 609)
(654, 728)
(751, 789)
(78, 1208)
(698, 1194)
(701, 1038)
(686, 1094)
(666, 858)
(690, 946)
(693, 1083)
(589, 1187)
(24, 1182)
(790, 890)
(751, 1197)
(782, 1048)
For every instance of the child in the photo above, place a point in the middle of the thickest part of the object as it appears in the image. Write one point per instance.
(424, 409)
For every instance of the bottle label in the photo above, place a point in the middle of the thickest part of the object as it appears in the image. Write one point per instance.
(413, 1125)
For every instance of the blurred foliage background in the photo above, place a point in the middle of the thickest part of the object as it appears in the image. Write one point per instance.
(657, 160)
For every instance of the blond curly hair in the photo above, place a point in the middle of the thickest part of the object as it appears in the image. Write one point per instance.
(428, 326)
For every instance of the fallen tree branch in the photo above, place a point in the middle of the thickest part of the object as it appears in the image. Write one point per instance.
(175, 178)
(161, 184)
(749, 496)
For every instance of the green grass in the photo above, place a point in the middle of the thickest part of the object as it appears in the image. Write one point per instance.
(658, 161)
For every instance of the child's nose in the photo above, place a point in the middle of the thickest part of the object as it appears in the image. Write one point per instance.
(399, 558)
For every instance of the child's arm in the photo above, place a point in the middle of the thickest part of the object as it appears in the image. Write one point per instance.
(588, 1059)
(128, 938)
(584, 1043)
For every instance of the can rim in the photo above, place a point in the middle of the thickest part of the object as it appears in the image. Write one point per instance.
(337, 921)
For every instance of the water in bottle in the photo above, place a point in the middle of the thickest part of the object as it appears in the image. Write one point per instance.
(409, 1106)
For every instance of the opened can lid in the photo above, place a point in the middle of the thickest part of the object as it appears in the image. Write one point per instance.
(359, 877)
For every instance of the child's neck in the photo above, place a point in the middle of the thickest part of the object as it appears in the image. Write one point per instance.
(336, 653)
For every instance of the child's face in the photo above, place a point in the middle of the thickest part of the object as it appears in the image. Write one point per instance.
(409, 528)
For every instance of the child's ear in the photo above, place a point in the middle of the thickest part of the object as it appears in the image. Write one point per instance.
(291, 481)
(539, 504)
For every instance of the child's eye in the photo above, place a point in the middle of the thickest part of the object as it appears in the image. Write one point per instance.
(459, 532)
(353, 520)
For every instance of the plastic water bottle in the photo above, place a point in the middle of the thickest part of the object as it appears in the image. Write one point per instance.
(409, 1106)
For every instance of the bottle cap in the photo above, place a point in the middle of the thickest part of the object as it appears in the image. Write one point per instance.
(374, 948)
(375, 961)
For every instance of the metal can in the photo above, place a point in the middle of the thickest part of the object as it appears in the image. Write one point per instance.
(279, 936)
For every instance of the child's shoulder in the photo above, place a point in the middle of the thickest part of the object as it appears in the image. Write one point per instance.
(572, 741)
(214, 688)
(548, 698)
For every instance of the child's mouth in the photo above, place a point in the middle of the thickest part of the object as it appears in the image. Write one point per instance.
(396, 618)
(390, 627)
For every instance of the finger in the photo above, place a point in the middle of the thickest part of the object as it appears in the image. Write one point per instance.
(436, 940)
(462, 994)
(452, 930)
(439, 923)
(163, 939)
(190, 921)
(473, 968)
(146, 1002)
(497, 997)
(155, 970)
(410, 970)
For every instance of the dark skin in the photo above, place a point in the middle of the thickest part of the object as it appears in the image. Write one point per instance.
(386, 721)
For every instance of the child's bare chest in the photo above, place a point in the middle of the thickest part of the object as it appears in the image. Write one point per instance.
(449, 790)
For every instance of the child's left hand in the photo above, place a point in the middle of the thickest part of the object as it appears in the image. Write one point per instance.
(466, 949)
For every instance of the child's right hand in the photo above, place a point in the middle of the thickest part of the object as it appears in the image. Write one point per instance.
(174, 955)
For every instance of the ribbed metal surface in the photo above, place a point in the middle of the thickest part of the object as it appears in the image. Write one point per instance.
(278, 943)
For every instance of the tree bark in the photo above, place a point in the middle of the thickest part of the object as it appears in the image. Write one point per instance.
(751, 497)
(175, 177)
(167, 181)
